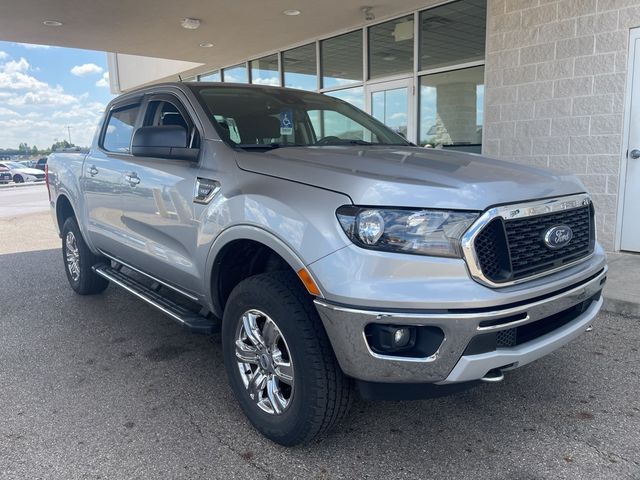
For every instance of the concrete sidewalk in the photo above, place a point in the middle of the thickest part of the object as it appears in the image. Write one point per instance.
(622, 290)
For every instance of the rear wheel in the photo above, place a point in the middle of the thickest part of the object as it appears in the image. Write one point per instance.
(78, 260)
(18, 179)
(279, 361)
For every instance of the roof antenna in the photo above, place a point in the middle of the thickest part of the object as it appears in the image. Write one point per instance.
(180, 78)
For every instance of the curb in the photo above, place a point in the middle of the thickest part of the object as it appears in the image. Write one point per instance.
(21, 185)
(623, 307)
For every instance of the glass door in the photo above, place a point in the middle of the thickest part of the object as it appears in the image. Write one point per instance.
(392, 103)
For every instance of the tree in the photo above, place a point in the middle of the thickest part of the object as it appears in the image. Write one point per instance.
(34, 150)
(60, 145)
(24, 149)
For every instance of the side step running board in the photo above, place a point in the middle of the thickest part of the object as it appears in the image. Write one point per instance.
(191, 320)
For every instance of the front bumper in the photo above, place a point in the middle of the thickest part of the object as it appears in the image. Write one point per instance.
(452, 363)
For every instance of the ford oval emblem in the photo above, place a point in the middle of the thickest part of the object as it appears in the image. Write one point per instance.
(558, 236)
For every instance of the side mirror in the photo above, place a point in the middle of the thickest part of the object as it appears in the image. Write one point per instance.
(168, 141)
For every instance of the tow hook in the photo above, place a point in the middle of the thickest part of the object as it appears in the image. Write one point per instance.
(493, 376)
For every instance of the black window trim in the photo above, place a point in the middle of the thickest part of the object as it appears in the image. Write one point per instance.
(116, 107)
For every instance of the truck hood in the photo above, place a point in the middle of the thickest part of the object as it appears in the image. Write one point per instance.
(410, 176)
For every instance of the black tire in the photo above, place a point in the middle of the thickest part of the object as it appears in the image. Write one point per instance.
(322, 394)
(18, 179)
(86, 282)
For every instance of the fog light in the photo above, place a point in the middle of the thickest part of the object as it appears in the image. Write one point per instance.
(401, 337)
(390, 338)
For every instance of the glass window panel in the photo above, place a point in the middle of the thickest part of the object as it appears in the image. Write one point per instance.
(210, 77)
(330, 123)
(391, 107)
(264, 71)
(299, 65)
(355, 96)
(453, 33)
(391, 47)
(451, 109)
(257, 118)
(342, 59)
(117, 137)
(235, 74)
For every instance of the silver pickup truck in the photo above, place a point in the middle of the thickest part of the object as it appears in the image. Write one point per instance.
(334, 255)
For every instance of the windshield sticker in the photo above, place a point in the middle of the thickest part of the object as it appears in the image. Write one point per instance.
(286, 122)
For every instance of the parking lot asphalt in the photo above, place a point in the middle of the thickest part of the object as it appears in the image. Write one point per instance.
(106, 387)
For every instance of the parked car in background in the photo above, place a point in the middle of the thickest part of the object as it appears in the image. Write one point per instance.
(41, 163)
(5, 175)
(27, 163)
(21, 173)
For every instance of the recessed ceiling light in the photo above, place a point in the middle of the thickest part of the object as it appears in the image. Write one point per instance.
(291, 13)
(52, 23)
(190, 23)
(206, 45)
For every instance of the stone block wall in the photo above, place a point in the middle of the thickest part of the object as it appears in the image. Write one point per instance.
(554, 91)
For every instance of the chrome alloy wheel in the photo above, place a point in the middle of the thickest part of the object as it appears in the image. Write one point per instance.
(264, 362)
(72, 256)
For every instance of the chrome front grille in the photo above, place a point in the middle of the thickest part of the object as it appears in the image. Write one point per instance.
(506, 245)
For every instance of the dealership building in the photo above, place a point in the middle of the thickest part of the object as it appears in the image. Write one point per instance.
(542, 83)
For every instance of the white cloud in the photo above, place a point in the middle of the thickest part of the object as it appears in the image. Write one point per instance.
(33, 46)
(50, 96)
(3, 55)
(16, 66)
(86, 69)
(104, 81)
(37, 112)
(5, 112)
(91, 111)
(267, 81)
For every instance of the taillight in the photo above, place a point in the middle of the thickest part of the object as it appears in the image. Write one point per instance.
(46, 180)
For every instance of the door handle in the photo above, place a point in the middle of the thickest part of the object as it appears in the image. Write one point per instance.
(132, 178)
(635, 153)
(93, 171)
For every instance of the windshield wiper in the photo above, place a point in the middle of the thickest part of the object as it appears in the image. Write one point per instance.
(267, 146)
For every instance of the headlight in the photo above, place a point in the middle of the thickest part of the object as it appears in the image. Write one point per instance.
(423, 232)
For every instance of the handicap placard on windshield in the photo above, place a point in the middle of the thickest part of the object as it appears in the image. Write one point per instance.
(286, 122)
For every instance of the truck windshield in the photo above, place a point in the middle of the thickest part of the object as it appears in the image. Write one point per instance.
(265, 118)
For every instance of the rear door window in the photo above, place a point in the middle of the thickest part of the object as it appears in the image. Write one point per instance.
(119, 131)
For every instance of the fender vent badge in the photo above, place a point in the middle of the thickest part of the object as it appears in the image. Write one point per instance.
(205, 190)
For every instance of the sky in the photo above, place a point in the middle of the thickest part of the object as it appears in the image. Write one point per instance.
(43, 90)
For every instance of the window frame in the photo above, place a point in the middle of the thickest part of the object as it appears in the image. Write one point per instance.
(124, 105)
(418, 113)
(415, 73)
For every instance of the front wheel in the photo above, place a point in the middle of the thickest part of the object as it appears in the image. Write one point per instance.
(18, 179)
(79, 260)
(279, 361)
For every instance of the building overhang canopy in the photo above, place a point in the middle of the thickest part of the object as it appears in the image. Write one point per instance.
(151, 28)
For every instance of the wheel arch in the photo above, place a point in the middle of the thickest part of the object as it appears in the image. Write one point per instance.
(64, 210)
(261, 249)
(65, 206)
